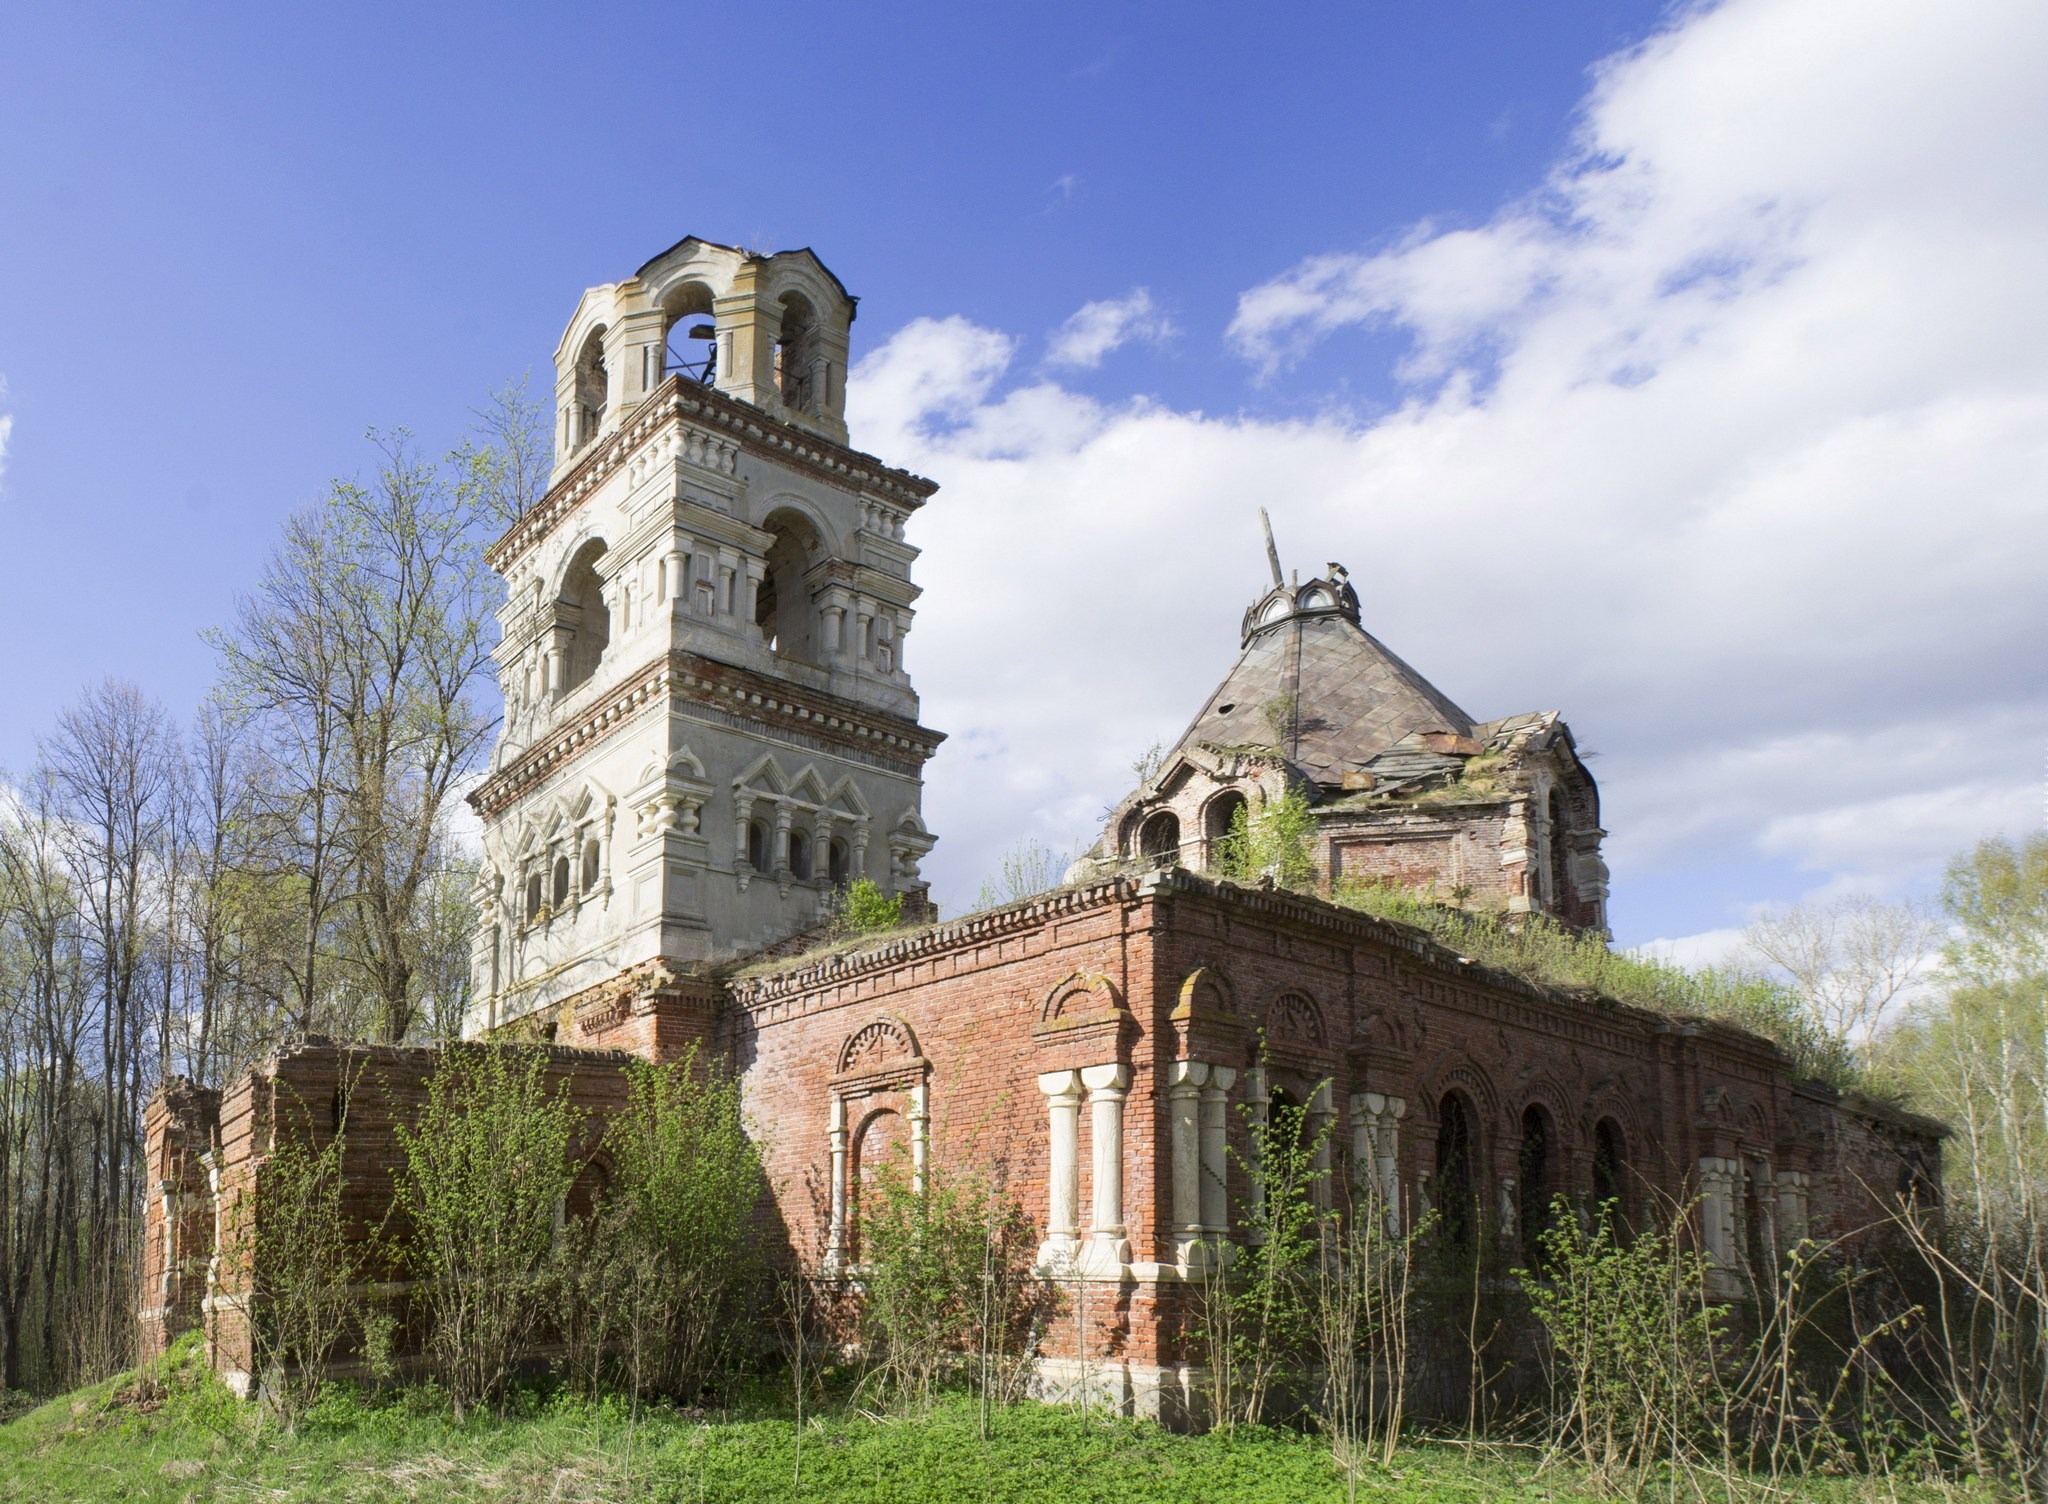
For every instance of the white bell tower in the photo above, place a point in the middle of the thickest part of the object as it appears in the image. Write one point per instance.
(709, 729)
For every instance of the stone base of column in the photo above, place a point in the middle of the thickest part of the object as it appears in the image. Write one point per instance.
(1056, 1255)
(1105, 1256)
(1174, 1394)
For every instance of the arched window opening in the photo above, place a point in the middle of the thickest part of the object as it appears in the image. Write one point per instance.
(1610, 1162)
(757, 845)
(838, 862)
(589, 865)
(882, 1151)
(583, 617)
(561, 881)
(1560, 856)
(1533, 1183)
(1457, 1187)
(1159, 840)
(533, 897)
(593, 389)
(690, 343)
(796, 355)
(588, 1193)
(799, 856)
(1220, 827)
(782, 606)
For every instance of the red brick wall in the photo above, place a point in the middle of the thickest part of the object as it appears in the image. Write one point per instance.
(976, 1010)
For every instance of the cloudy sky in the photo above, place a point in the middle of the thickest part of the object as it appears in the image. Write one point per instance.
(1683, 370)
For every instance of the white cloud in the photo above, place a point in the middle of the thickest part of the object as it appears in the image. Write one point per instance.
(1731, 444)
(1722, 947)
(1097, 328)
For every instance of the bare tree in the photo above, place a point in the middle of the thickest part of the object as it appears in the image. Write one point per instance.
(1852, 961)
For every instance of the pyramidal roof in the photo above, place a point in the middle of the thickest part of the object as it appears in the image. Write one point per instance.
(1314, 682)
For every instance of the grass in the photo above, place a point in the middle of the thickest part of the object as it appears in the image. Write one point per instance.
(1549, 955)
(171, 1433)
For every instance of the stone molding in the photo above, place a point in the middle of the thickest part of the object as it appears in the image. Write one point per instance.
(769, 704)
(753, 432)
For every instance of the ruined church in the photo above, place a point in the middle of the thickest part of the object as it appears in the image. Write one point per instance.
(710, 731)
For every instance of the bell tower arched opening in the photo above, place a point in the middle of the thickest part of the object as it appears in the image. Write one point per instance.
(782, 606)
(798, 362)
(593, 389)
(583, 616)
(690, 335)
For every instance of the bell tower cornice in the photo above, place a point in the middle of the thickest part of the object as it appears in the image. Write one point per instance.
(728, 428)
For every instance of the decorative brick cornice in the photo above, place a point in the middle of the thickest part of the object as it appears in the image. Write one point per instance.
(744, 424)
(763, 702)
(1446, 977)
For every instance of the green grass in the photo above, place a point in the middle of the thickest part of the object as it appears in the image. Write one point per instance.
(1549, 955)
(178, 1437)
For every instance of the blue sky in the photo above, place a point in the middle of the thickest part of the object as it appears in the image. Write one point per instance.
(1377, 245)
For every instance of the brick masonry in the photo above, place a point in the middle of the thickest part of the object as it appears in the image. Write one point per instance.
(943, 1036)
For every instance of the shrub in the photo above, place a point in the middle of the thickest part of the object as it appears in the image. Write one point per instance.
(485, 1177)
(1277, 842)
(293, 1236)
(666, 1275)
(946, 1283)
(866, 909)
(1631, 1343)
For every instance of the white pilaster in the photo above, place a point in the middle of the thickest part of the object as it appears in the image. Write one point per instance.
(835, 1138)
(1215, 1151)
(1063, 1176)
(1108, 1250)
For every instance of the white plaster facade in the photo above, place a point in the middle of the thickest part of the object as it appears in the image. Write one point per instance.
(709, 727)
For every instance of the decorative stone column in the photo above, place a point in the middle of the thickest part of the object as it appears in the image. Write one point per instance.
(835, 1138)
(1108, 1250)
(1795, 1208)
(1322, 1108)
(779, 857)
(1063, 1175)
(1718, 1181)
(1186, 1078)
(1260, 1102)
(920, 1134)
(1376, 1150)
(1215, 1152)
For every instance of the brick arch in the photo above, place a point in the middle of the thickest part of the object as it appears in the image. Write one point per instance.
(877, 1042)
(1544, 1092)
(1211, 985)
(1610, 1099)
(1753, 1124)
(1460, 1074)
(1081, 992)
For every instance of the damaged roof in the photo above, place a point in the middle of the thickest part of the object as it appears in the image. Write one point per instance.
(1330, 694)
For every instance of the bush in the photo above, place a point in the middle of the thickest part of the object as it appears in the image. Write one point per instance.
(946, 1284)
(485, 1177)
(666, 1276)
(867, 910)
(1277, 842)
(1631, 1343)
